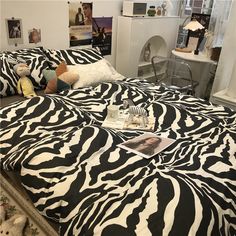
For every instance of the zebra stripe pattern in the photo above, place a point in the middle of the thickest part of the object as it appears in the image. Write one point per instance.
(35, 59)
(134, 110)
(72, 56)
(76, 175)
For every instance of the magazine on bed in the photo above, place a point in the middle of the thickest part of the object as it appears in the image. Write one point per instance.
(122, 122)
(147, 144)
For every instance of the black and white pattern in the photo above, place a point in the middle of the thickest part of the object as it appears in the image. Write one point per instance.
(76, 175)
(72, 56)
(35, 59)
(8, 78)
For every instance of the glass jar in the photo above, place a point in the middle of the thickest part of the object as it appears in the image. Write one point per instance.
(159, 11)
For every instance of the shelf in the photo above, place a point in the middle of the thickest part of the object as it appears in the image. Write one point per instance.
(147, 76)
(144, 63)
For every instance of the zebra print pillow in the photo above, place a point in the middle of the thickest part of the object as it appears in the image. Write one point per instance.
(8, 78)
(36, 60)
(72, 56)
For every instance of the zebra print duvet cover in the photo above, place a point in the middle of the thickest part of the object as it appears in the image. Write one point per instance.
(76, 175)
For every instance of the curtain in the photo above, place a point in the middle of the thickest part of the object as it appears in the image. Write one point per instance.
(219, 18)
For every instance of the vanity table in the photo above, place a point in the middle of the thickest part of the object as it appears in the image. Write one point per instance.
(203, 70)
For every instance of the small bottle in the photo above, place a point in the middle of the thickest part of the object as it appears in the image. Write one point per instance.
(151, 11)
(159, 11)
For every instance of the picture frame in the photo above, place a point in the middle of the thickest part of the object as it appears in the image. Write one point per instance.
(14, 31)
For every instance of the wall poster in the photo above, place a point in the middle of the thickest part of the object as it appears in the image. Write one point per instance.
(102, 34)
(80, 23)
(14, 31)
(34, 35)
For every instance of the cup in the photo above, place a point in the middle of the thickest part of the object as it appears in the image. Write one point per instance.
(112, 112)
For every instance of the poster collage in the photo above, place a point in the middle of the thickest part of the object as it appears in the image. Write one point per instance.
(88, 30)
(83, 29)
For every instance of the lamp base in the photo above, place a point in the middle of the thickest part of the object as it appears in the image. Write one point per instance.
(196, 52)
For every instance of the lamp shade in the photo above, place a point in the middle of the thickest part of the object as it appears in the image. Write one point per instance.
(193, 25)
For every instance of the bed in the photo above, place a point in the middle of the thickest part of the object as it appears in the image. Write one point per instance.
(77, 176)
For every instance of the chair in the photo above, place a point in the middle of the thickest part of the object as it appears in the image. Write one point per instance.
(173, 74)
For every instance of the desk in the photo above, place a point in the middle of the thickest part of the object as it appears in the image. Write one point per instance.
(201, 67)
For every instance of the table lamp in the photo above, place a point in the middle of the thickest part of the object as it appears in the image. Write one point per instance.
(194, 25)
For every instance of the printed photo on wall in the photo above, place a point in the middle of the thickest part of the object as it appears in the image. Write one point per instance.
(80, 23)
(34, 35)
(14, 31)
(102, 34)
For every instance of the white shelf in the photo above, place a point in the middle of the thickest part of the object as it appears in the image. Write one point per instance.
(144, 63)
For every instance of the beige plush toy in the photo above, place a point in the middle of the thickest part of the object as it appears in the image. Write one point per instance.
(13, 226)
(24, 84)
(60, 79)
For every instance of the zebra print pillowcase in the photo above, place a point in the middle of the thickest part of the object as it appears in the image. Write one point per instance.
(8, 78)
(72, 56)
(37, 62)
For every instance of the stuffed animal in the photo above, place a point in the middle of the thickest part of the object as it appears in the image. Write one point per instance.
(13, 226)
(60, 79)
(24, 84)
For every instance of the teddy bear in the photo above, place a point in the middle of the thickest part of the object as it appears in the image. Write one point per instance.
(24, 84)
(13, 226)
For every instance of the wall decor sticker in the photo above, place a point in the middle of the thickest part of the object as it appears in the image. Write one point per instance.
(14, 31)
(102, 34)
(80, 23)
(34, 35)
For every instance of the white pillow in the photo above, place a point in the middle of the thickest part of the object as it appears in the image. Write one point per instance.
(96, 72)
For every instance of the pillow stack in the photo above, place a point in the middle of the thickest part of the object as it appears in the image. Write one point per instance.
(47, 64)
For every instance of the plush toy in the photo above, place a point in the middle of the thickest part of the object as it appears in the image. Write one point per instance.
(60, 79)
(24, 84)
(13, 226)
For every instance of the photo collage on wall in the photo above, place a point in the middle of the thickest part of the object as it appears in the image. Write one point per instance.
(15, 32)
(87, 30)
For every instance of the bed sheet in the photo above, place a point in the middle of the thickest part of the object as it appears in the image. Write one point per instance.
(76, 175)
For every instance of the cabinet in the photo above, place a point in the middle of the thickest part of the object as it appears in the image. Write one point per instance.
(133, 35)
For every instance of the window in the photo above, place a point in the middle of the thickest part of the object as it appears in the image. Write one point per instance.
(197, 6)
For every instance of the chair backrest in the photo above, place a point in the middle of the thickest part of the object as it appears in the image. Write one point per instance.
(173, 73)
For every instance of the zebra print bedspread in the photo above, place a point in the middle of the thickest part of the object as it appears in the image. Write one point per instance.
(76, 175)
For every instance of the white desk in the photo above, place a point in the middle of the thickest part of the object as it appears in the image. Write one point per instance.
(201, 67)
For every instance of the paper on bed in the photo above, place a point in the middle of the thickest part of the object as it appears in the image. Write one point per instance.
(146, 145)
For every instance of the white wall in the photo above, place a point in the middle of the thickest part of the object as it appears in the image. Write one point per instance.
(52, 17)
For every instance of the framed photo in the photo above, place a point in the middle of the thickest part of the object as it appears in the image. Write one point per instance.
(14, 31)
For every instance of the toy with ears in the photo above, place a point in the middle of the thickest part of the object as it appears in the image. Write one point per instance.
(24, 84)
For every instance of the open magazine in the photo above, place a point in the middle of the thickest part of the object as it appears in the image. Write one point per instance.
(147, 144)
(122, 123)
